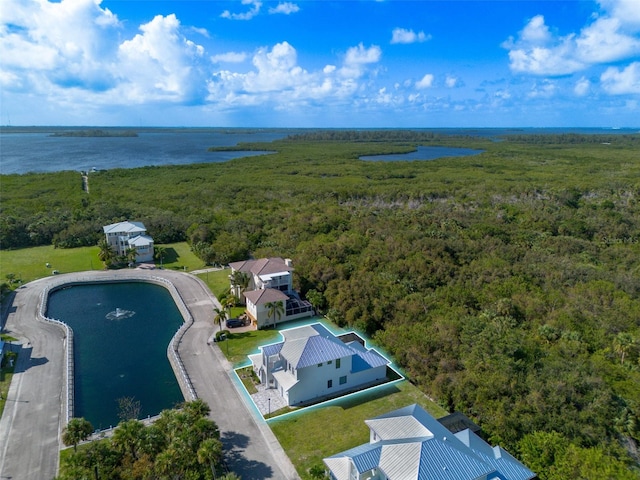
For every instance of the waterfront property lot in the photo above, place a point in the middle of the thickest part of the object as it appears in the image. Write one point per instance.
(311, 434)
(28, 264)
(335, 426)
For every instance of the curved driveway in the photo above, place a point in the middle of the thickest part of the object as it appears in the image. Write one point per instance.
(33, 416)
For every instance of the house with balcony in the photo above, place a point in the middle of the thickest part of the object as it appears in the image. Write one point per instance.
(122, 236)
(312, 365)
(410, 444)
(268, 280)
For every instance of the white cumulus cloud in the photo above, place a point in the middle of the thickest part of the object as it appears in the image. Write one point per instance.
(161, 64)
(402, 35)
(451, 81)
(255, 5)
(358, 58)
(612, 35)
(61, 43)
(285, 8)
(425, 82)
(582, 87)
(621, 82)
(229, 57)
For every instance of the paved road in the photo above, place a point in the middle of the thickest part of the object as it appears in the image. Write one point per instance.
(32, 420)
(29, 428)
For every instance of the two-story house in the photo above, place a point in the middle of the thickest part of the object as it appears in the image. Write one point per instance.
(410, 444)
(122, 236)
(269, 280)
(312, 364)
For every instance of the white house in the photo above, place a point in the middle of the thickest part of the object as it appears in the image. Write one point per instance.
(312, 363)
(125, 235)
(410, 444)
(269, 280)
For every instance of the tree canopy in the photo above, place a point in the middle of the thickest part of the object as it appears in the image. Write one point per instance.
(506, 284)
(181, 444)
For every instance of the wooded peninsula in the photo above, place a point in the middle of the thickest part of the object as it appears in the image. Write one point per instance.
(505, 284)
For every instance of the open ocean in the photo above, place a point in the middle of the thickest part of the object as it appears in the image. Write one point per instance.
(23, 151)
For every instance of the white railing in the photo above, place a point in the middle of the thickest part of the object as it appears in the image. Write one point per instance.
(172, 349)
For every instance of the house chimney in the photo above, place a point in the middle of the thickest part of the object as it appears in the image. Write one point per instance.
(288, 262)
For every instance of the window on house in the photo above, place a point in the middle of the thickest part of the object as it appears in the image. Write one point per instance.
(329, 362)
(319, 364)
(337, 363)
(329, 383)
(343, 380)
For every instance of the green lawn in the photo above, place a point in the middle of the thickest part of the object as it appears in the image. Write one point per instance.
(311, 435)
(180, 257)
(29, 264)
(217, 281)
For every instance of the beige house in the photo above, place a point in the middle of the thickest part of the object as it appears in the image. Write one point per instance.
(269, 280)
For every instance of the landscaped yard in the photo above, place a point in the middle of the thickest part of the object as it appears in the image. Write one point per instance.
(313, 433)
(318, 432)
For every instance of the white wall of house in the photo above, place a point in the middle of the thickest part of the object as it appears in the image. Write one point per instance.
(313, 381)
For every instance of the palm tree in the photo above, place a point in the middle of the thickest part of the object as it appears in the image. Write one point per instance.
(130, 255)
(230, 302)
(197, 408)
(239, 284)
(127, 436)
(159, 253)
(77, 430)
(210, 452)
(230, 476)
(274, 309)
(622, 344)
(106, 253)
(221, 316)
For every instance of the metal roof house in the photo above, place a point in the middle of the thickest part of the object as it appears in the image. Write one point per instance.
(270, 280)
(125, 235)
(410, 444)
(312, 364)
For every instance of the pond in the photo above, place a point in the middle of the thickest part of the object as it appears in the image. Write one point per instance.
(424, 153)
(121, 334)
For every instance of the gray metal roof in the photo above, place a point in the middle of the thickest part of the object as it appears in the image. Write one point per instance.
(141, 241)
(404, 427)
(125, 227)
(313, 350)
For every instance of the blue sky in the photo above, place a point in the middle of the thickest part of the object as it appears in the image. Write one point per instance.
(324, 63)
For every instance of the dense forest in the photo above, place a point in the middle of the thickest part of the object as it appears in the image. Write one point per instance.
(506, 284)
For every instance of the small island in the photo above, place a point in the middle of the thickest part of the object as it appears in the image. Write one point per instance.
(95, 133)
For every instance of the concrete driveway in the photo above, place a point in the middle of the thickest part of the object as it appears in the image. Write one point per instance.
(33, 417)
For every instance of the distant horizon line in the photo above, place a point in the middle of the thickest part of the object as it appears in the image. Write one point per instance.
(159, 127)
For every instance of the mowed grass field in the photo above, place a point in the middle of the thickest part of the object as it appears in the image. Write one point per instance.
(28, 264)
